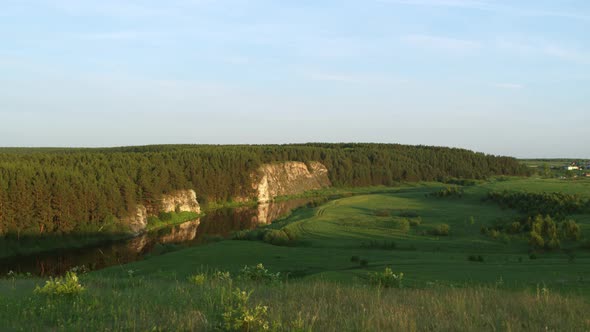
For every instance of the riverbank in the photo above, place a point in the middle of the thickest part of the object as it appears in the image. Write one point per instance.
(454, 278)
(29, 245)
(25, 245)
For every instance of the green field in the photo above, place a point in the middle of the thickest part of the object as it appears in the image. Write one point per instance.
(329, 235)
(503, 286)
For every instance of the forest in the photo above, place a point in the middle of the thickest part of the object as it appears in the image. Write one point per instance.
(81, 191)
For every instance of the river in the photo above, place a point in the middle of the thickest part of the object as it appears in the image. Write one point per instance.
(217, 224)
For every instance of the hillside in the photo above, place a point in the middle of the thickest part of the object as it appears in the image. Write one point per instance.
(84, 191)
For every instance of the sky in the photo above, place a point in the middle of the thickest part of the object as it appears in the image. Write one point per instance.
(504, 77)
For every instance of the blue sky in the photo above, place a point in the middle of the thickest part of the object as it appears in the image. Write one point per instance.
(501, 77)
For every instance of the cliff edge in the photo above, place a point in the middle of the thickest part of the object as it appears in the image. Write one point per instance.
(289, 178)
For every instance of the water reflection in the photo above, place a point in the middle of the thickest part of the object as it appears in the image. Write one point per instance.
(219, 223)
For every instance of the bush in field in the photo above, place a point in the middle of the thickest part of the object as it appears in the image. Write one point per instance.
(239, 315)
(67, 285)
(403, 225)
(544, 233)
(415, 222)
(571, 230)
(386, 279)
(494, 233)
(277, 237)
(249, 235)
(514, 228)
(475, 258)
(355, 259)
(259, 273)
(198, 279)
(449, 192)
(554, 204)
(223, 276)
(364, 263)
(442, 230)
(536, 240)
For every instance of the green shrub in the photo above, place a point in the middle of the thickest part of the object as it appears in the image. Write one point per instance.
(276, 237)
(536, 240)
(571, 230)
(403, 225)
(415, 222)
(355, 259)
(514, 228)
(442, 230)
(241, 235)
(449, 192)
(386, 279)
(67, 285)
(223, 276)
(240, 316)
(198, 279)
(494, 233)
(364, 263)
(260, 274)
(475, 258)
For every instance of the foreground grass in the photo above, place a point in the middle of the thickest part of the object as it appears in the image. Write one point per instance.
(327, 289)
(139, 303)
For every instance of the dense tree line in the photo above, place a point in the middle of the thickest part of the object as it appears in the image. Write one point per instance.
(545, 220)
(63, 191)
(555, 204)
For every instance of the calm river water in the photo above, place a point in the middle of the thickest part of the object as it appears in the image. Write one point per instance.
(219, 223)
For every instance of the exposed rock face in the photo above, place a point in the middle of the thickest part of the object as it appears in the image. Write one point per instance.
(181, 200)
(290, 178)
(138, 221)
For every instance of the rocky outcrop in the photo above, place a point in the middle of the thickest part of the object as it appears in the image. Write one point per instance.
(180, 200)
(138, 221)
(289, 178)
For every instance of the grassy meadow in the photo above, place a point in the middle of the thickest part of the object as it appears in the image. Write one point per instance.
(455, 277)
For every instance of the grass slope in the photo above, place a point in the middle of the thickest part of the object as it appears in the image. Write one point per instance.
(327, 291)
